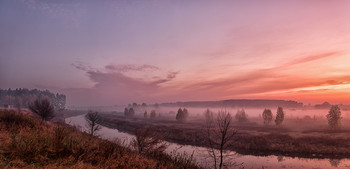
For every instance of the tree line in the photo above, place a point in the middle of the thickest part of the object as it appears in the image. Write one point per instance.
(23, 97)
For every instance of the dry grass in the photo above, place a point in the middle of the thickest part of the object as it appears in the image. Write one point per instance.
(296, 137)
(26, 142)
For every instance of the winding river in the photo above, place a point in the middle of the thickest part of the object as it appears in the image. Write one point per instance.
(201, 157)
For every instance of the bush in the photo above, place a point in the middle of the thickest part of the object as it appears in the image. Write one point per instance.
(43, 108)
(148, 142)
(13, 120)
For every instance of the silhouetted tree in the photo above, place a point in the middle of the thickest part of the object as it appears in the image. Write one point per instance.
(43, 108)
(179, 114)
(126, 112)
(145, 114)
(241, 116)
(9, 97)
(129, 112)
(267, 116)
(219, 134)
(93, 119)
(153, 114)
(148, 142)
(334, 117)
(185, 113)
(144, 105)
(279, 116)
(182, 114)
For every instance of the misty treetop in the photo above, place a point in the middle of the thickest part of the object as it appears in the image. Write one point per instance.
(334, 117)
(22, 97)
(279, 116)
(182, 114)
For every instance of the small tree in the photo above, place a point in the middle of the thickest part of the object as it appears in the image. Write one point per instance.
(126, 111)
(182, 114)
(279, 116)
(185, 114)
(219, 133)
(93, 118)
(129, 112)
(148, 142)
(153, 114)
(43, 108)
(267, 116)
(241, 116)
(334, 117)
(145, 114)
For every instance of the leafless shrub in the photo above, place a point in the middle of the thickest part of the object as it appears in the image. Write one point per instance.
(148, 142)
(93, 119)
(43, 108)
(219, 134)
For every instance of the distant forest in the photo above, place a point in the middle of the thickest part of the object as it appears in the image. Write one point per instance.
(22, 97)
(238, 103)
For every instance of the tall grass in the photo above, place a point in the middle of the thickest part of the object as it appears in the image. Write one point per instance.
(26, 142)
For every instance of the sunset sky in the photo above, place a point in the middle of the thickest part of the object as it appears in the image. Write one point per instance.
(115, 52)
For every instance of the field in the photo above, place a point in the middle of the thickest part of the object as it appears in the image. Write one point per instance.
(297, 137)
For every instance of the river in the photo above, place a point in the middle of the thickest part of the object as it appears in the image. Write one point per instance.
(200, 153)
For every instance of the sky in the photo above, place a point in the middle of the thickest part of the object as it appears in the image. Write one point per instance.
(111, 52)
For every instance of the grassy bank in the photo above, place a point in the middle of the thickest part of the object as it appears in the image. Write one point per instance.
(27, 142)
(252, 138)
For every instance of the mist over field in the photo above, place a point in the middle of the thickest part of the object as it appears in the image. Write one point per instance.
(174, 84)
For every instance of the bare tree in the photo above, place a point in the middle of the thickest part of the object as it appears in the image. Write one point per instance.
(93, 118)
(219, 133)
(148, 142)
(43, 108)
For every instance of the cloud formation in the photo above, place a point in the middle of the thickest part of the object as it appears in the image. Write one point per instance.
(112, 85)
(130, 67)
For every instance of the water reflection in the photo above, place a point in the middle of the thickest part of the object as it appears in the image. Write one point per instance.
(334, 162)
(280, 158)
(237, 161)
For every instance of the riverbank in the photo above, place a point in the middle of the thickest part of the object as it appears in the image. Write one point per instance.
(251, 139)
(27, 142)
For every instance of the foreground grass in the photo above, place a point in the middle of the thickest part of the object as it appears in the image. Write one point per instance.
(27, 142)
(251, 138)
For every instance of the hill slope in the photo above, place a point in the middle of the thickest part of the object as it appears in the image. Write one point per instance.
(26, 142)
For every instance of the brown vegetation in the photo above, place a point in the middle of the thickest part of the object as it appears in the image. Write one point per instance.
(26, 143)
(252, 137)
